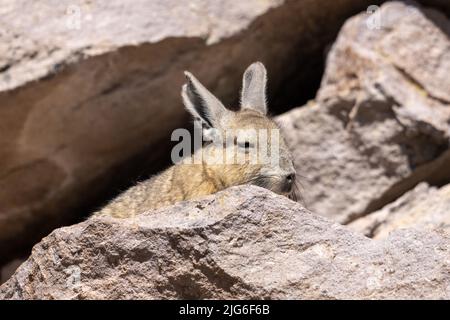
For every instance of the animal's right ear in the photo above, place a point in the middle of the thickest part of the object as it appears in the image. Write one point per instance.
(254, 81)
(201, 103)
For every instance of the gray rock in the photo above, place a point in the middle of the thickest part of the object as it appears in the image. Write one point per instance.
(423, 207)
(381, 120)
(91, 93)
(244, 242)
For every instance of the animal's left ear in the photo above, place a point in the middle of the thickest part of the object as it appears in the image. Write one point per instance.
(203, 104)
(254, 81)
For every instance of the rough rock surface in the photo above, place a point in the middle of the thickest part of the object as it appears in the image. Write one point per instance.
(244, 242)
(423, 207)
(88, 89)
(381, 120)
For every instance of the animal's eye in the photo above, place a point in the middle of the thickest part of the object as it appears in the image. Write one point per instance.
(245, 145)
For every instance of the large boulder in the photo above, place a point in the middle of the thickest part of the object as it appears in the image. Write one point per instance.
(381, 119)
(242, 243)
(424, 207)
(90, 91)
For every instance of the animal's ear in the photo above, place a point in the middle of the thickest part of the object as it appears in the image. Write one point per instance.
(201, 103)
(253, 95)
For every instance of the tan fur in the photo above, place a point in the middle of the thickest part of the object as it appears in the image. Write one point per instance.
(186, 181)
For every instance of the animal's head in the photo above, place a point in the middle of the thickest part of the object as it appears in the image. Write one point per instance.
(246, 147)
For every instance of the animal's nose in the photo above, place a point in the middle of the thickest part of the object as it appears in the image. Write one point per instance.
(290, 177)
(289, 181)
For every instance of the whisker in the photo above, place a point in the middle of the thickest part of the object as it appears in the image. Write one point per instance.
(301, 176)
(299, 194)
(293, 196)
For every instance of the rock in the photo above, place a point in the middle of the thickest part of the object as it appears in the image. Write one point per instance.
(381, 119)
(423, 207)
(89, 98)
(242, 243)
